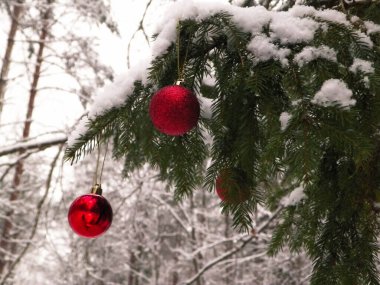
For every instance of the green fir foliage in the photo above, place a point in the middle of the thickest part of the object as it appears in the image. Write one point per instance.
(332, 151)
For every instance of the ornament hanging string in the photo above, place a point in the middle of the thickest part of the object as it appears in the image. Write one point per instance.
(180, 68)
(104, 159)
(95, 180)
(98, 164)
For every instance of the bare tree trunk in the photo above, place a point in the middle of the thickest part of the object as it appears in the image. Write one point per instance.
(229, 246)
(17, 11)
(133, 277)
(132, 262)
(198, 257)
(87, 262)
(175, 278)
(175, 275)
(26, 131)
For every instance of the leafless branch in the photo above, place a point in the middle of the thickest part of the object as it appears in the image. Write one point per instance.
(36, 218)
(173, 213)
(139, 28)
(32, 145)
(13, 164)
(233, 251)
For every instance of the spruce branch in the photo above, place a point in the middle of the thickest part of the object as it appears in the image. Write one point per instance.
(327, 147)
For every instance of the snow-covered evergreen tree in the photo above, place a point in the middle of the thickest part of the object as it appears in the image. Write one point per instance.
(290, 100)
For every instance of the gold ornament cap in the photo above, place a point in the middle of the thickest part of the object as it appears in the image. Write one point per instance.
(96, 189)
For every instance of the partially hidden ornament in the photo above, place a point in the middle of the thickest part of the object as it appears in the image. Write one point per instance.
(90, 215)
(232, 186)
(174, 110)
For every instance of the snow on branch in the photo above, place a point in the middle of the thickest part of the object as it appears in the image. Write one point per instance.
(311, 53)
(37, 217)
(362, 66)
(284, 120)
(40, 144)
(233, 251)
(294, 197)
(297, 25)
(334, 92)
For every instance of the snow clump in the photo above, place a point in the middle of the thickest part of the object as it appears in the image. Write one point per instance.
(263, 49)
(362, 65)
(311, 53)
(334, 92)
(284, 120)
(294, 197)
(371, 27)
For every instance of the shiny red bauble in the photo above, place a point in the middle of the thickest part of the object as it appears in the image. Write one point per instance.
(174, 110)
(90, 215)
(231, 186)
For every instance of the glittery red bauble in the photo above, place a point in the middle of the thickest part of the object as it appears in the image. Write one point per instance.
(231, 186)
(90, 215)
(174, 110)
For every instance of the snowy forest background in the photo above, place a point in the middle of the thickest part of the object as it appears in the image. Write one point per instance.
(55, 55)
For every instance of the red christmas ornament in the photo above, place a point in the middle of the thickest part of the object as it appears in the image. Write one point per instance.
(174, 110)
(231, 186)
(90, 215)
